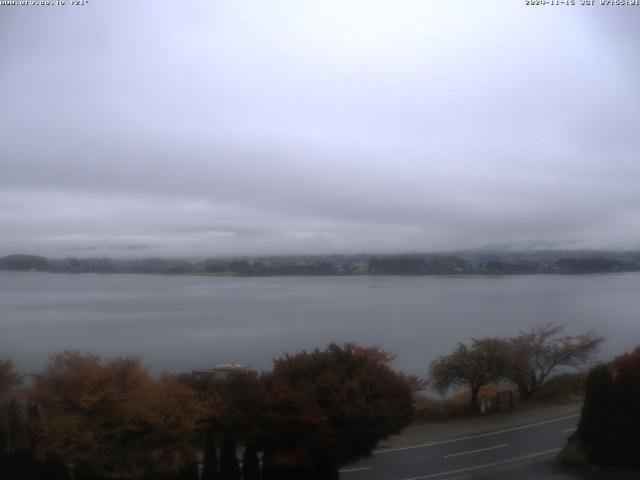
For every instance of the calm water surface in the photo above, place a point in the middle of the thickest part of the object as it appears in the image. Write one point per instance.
(177, 323)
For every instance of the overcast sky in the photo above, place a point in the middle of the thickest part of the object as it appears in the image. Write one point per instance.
(252, 127)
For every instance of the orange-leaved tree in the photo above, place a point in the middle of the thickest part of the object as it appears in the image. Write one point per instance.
(9, 377)
(110, 418)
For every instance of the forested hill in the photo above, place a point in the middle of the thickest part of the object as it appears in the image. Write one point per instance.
(460, 263)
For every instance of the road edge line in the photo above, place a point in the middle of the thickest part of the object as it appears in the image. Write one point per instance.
(480, 435)
(487, 465)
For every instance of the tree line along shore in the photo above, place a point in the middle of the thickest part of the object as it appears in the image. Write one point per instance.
(463, 263)
(101, 418)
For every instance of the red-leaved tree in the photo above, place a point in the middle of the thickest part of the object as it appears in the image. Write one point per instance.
(326, 408)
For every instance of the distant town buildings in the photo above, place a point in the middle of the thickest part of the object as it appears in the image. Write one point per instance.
(222, 371)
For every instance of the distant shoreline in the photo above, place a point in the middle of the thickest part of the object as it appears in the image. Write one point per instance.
(462, 264)
(363, 275)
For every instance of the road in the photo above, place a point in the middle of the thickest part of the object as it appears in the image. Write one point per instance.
(487, 455)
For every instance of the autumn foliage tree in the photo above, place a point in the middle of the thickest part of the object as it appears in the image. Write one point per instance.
(111, 419)
(474, 366)
(233, 403)
(535, 354)
(9, 377)
(328, 407)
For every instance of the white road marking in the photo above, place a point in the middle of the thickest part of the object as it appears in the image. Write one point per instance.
(476, 451)
(486, 465)
(347, 470)
(481, 435)
(569, 430)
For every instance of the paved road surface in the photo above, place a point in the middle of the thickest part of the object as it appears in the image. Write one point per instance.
(499, 454)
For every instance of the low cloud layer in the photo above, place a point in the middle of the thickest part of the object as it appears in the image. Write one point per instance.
(223, 128)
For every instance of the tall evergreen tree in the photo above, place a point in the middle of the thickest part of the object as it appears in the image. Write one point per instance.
(267, 470)
(229, 467)
(53, 469)
(17, 436)
(609, 428)
(3, 449)
(625, 424)
(250, 464)
(324, 471)
(189, 471)
(33, 414)
(594, 425)
(3, 442)
(210, 459)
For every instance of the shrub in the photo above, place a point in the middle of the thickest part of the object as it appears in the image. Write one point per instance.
(566, 387)
(573, 456)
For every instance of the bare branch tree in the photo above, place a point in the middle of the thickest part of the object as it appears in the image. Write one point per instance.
(535, 354)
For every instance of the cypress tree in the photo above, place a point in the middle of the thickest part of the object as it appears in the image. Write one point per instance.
(210, 459)
(594, 426)
(53, 469)
(609, 427)
(324, 471)
(3, 443)
(634, 425)
(229, 467)
(267, 470)
(250, 464)
(623, 445)
(633, 429)
(189, 471)
(618, 425)
(16, 427)
(628, 376)
(274, 470)
(33, 414)
(3, 450)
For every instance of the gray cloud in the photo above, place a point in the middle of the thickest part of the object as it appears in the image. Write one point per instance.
(236, 127)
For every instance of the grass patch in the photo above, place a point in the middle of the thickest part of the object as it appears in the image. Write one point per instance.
(560, 389)
(563, 388)
(574, 457)
(428, 409)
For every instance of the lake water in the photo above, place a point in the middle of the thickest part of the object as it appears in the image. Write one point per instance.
(177, 323)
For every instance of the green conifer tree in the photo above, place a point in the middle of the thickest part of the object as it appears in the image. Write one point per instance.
(53, 469)
(229, 467)
(210, 459)
(267, 470)
(624, 437)
(3, 442)
(250, 464)
(17, 436)
(594, 426)
(33, 414)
